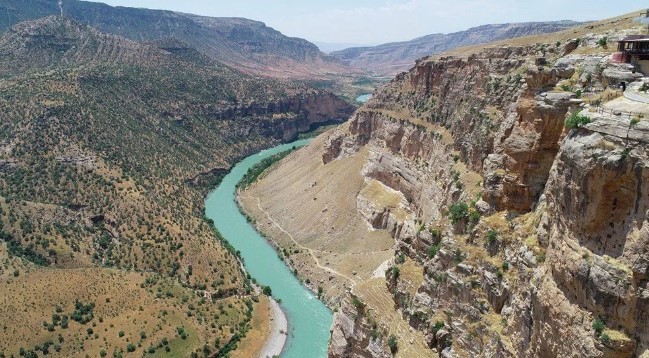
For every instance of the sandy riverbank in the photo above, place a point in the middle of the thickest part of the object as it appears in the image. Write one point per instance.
(278, 332)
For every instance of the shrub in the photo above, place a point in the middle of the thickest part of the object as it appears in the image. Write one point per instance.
(267, 291)
(440, 277)
(605, 338)
(394, 272)
(458, 212)
(458, 256)
(505, 266)
(83, 313)
(625, 153)
(130, 347)
(492, 236)
(374, 334)
(358, 304)
(438, 325)
(474, 217)
(602, 42)
(392, 343)
(120, 334)
(433, 250)
(576, 120)
(436, 234)
(598, 326)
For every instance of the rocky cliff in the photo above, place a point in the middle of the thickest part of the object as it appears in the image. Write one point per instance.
(530, 228)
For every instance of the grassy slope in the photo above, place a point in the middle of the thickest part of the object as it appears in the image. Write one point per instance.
(96, 157)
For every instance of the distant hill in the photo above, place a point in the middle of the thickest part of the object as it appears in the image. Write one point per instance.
(392, 58)
(248, 45)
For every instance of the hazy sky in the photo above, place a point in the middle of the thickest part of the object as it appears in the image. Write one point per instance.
(379, 21)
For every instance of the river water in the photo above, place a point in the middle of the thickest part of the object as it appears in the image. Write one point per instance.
(364, 98)
(309, 319)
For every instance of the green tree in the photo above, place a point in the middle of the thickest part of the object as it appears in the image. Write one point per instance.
(598, 326)
(458, 212)
(576, 120)
(393, 344)
(432, 250)
(602, 42)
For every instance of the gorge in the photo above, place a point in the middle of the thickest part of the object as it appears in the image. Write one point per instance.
(182, 185)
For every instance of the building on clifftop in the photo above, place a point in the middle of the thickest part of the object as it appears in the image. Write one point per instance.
(634, 50)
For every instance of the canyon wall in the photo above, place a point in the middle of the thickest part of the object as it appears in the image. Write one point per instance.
(532, 236)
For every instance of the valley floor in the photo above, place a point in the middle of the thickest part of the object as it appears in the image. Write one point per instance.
(323, 236)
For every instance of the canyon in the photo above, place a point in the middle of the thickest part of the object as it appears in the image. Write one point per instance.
(108, 147)
(486, 201)
(462, 212)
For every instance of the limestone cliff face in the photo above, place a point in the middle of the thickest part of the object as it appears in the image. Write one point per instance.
(351, 334)
(462, 95)
(525, 148)
(549, 256)
(397, 145)
(285, 119)
(596, 230)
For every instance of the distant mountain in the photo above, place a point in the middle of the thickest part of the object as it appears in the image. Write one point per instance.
(392, 58)
(248, 45)
(328, 47)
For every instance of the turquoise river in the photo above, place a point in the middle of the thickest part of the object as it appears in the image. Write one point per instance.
(309, 319)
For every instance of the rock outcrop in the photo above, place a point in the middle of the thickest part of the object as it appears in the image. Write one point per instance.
(351, 334)
(596, 231)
